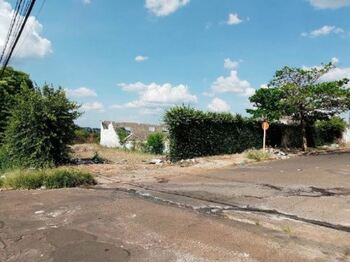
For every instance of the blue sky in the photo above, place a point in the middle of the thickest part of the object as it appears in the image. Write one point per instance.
(130, 60)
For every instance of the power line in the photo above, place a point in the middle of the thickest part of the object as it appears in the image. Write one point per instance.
(13, 20)
(27, 11)
(30, 28)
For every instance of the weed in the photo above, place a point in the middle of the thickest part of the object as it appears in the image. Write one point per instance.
(48, 178)
(257, 155)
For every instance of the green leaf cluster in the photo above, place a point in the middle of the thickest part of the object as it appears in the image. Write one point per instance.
(39, 128)
(194, 133)
(155, 143)
(12, 82)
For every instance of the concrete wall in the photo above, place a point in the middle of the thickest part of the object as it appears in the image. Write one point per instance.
(346, 136)
(109, 137)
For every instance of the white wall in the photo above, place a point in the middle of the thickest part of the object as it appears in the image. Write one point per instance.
(109, 137)
(346, 136)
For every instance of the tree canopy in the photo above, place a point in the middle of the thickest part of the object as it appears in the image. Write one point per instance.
(12, 82)
(299, 93)
(40, 128)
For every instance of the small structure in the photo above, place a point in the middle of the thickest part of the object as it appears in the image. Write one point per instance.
(136, 132)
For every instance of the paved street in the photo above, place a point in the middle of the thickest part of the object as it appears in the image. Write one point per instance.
(295, 209)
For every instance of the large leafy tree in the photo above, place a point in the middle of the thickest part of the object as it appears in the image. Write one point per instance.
(40, 128)
(299, 94)
(12, 82)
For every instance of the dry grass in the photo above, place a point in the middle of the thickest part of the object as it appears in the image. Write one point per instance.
(113, 155)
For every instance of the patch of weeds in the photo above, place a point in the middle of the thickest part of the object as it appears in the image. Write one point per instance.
(286, 229)
(97, 159)
(257, 155)
(63, 178)
(48, 178)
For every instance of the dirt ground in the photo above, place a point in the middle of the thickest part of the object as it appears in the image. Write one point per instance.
(219, 208)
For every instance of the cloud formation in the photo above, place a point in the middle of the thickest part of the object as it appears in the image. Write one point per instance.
(231, 83)
(93, 106)
(32, 44)
(218, 105)
(155, 97)
(233, 19)
(164, 7)
(329, 4)
(231, 64)
(81, 92)
(141, 58)
(323, 31)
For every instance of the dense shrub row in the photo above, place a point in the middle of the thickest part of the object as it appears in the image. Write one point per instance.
(194, 133)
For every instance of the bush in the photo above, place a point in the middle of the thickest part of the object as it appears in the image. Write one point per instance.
(194, 133)
(155, 143)
(122, 135)
(257, 155)
(40, 128)
(67, 178)
(49, 178)
(328, 131)
(86, 135)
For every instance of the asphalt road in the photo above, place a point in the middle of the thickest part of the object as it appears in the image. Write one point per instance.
(296, 209)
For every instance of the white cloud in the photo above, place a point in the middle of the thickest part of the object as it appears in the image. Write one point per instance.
(335, 60)
(93, 106)
(153, 96)
(233, 19)
(263, 86)
(323, 31)
(31, 43)
(81, 92)
(231, 64)
(141, 58)
(336, 74)
(331, 4)
(218, 105)
(164, 7)
(232, 84)
(86, 2)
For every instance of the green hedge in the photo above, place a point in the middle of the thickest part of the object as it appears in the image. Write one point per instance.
(195, 133)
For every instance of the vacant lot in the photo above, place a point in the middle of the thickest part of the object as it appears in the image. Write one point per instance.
(295, 209)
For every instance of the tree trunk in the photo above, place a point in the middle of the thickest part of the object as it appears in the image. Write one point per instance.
(303, 134)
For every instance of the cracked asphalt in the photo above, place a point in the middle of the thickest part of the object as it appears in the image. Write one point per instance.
(287, 210)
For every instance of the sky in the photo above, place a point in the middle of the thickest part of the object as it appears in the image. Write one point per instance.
(131, 60)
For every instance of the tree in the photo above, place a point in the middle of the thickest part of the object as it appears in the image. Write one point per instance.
(12, 82)
(40, 128)
(300, 94)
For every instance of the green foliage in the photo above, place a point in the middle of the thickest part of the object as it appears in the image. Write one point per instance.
(155, 143)
(330, 130)
(195, 133)
(40, 128)
(298, 94)
(86, 135)
(257, 155)
(62, 178)
(49, 178)
(122, 135)
(12, 82)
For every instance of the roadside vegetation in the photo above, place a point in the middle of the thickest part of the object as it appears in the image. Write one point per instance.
(257, 155)
(45, 178)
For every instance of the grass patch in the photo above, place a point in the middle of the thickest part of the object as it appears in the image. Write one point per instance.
(257, 155)
(48, 178)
